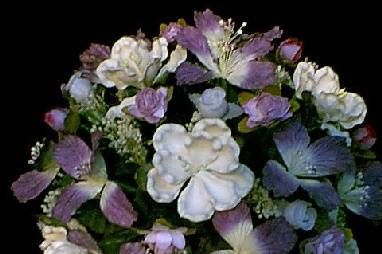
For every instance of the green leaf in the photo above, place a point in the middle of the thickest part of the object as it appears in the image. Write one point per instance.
(112, 243)
(95, 221)
(62, 182)
(72, 122)
(50, 221)
(294, 104)
(274, 90)
(141, 176)
(46, 160)
(242, 126)
(244, 97)
(366, 154)
(98, 166)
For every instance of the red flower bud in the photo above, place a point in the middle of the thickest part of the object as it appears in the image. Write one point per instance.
(365, 137)
(290, 50)
(55, 118)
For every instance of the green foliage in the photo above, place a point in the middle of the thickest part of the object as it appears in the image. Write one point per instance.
(242, 126)
(96, 222)
(46, 160)
(111, 243)
(72, 121)
(50, 221)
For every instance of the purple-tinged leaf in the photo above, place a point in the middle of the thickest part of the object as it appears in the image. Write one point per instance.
(277, 179)
(188, 73)
(29, 185)
(132, 248)
(73, 155)
(275, 236)
(323, 193)
(83, 239)
(234, 225)
(73, 197)
(116, 207)
(292, 143)
(330, 241)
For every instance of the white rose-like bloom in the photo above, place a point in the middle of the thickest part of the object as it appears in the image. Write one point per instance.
(209, 157)
(55, 242)
(132, 62)
(79, 88)
(332, 103)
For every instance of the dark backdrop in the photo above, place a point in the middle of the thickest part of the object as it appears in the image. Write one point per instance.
(43, 43)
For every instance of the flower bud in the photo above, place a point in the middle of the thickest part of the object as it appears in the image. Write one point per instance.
(290, 50)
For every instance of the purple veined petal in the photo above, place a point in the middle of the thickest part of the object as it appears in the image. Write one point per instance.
(116, 207)
(330, 241)
(365, 201)
(208, 24)
(291, 143)
(234, 225)
(73, 155)
(262, 45)
(83, 239)
(188, 73)
(373, 174)
(133, 110)
(323, 193)
(29, 185)
(326, 156)
(132, 248)
(275, 236)
(73, 197)
(277, 179)
(253, 75)
(193, 39)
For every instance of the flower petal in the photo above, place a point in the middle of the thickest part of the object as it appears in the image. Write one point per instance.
(177, 57)
(234, 225)
(178, 239)
(132, 248)
(373, 174)
(194, 40)
(326, 156)
(194, 202)
(170, 167)
(73, 155)
(83, 239)
(73, 197)
(171, 138)
(117, 111)
(277, 179)
(253, 75)
(116, 207)
(291, 144)
(226, 190)
(223, 252)
(227, 154)
(354, 112)
(188, 73)
(212, 128)
(330, 241)
(300, 214)
(275, 236)
(161, 190)
(29, 185)
(323, 193)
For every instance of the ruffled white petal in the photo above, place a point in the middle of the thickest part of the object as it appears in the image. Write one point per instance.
(172, 169)
(116, 111)
(171, 138)
(194, 202)
(227, 156)
(177, 57)
(159, 189)
(212, 127)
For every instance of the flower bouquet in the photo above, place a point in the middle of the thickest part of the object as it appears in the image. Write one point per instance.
(205, 139)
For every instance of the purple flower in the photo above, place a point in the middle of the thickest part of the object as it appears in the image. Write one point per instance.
(266, 108)
(330, 241)
(164, 240)
(150, 104)
(290, 50)
(365, 137)
(171, 31)
(93, 56)
(212, 40)
(55, 118)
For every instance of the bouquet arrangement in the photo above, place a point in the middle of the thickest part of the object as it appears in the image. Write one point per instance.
(204, 140)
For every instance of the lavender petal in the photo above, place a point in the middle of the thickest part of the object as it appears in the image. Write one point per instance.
(116, 207)
(188, 73)
(132, 248)
(83, 239)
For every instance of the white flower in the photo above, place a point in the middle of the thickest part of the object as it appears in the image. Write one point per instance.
(209, 157)
(133, 62)
(55, 242)
(79, 88)
(332, 103)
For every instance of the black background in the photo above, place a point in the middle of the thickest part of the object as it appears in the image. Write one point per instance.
(42, 44)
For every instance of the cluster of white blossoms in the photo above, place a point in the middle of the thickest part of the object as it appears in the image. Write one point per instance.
(332, 103)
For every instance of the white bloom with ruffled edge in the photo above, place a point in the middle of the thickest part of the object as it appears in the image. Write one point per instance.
(332, 103)
(209, 157)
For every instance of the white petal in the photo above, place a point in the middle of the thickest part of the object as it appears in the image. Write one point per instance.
(171, 168)
(194, 202)
(354, 110)
(116, 111)
(201, 152)
(212, 127)
(327, 81)
(160, 190)
(177, 57)
(160, 50)
(303, 78)
(226, 190)
(227, 158)
(171, 138)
